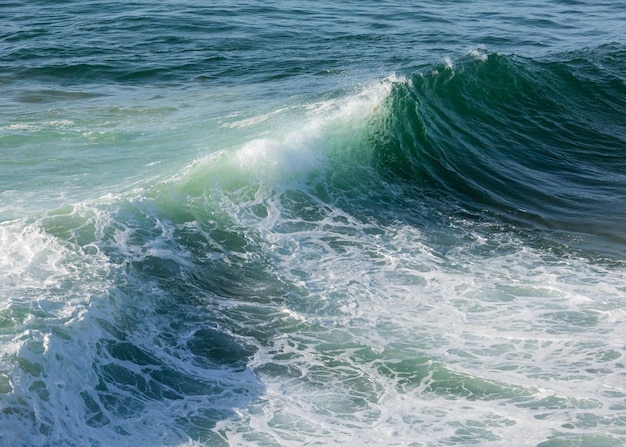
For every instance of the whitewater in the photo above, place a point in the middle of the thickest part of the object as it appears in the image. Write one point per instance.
(292, 224)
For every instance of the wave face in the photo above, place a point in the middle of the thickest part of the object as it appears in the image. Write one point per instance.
(538, 143)
(244, 231)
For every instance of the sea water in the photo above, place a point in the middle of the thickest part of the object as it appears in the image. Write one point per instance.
(294, 223)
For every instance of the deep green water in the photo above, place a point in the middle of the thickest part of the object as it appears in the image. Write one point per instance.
(286, 224)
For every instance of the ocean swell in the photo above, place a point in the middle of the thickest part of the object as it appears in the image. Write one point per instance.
(534, 141)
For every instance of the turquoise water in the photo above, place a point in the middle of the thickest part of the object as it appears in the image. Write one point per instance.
(277, 224)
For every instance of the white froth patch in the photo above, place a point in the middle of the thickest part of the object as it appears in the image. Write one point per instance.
(29, 258)
(306, 140)
(303, 137)
(46, 274)
(54, 124)
(537, 349)
(479, 53)
(266, 156)
(19, 126)
(60, 123)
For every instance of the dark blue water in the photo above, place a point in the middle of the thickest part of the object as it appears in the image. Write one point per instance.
(287, 223)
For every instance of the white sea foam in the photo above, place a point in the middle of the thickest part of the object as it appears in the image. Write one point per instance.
(522, 342)
(479, 53)
(304, 144)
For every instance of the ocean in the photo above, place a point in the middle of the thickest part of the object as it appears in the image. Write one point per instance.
(291, 223)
